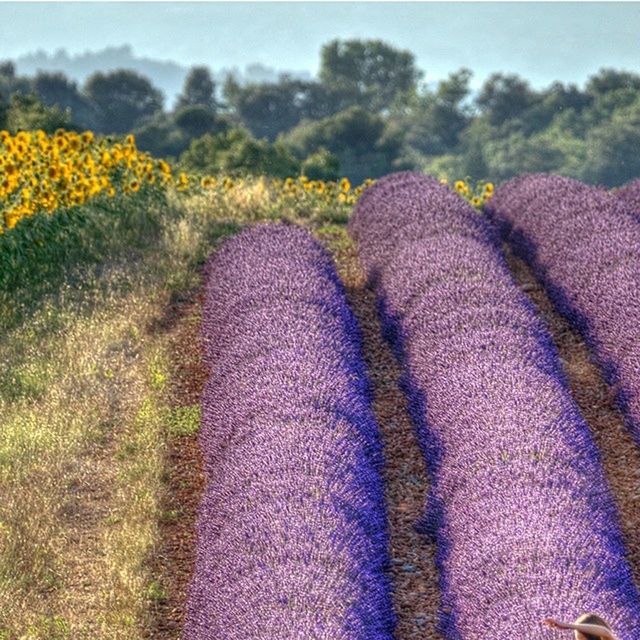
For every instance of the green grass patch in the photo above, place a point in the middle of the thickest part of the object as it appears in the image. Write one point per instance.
(184, 421)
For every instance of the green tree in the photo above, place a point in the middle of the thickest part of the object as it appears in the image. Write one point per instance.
(431, 123)
(503, 97)
(360, 140)
(26, 113)
(552, 103)
(199, 89)
(55, 89)
(321, 165)
(236, 152)
(161, 137)
(195, 120)
(612, 148)
(608, 80)
(516, 154)
(123, 99)
(368, 73)
(10, 83)
(267, 109)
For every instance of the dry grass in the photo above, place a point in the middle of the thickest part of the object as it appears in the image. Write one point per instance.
(80, 461)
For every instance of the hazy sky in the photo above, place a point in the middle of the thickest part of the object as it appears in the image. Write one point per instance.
(541, 41)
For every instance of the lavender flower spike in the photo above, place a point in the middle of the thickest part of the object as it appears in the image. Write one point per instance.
(292, 531)
(525, 524)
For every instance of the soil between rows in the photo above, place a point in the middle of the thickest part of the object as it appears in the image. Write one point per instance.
(415, 579)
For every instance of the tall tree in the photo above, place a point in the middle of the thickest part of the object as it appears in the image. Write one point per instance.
(55, 89)
(26, 113)
(361, 141)
(612, 148)
(199, 89)
(237, 152)
(607, 80)
(10, 83)
(504, 96)
(369, 73)
(432, 122)
(195, 120)
(123, 99)
(268, 109)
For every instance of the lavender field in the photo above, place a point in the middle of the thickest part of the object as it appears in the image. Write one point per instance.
(525, 506)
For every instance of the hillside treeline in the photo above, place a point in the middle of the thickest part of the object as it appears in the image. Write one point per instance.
(368, 113)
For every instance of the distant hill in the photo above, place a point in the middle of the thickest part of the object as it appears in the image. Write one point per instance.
(167, 75)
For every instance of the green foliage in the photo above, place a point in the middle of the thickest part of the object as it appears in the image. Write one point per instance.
(196, 120)
(55, 89)
(199, 90)
(123, 99)
(361, 141)
(321, 165)
(26, 113)
(503, 97)
(236, 152)
(532, 154)
(431, 123)
(161, 137)
(267, 109)
(367, 72)
(609, 80)
(43, 250)
(613, 148)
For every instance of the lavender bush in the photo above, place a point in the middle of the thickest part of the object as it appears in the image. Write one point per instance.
(584, 244)
(519, 505)
(630, 194)
(292, 533)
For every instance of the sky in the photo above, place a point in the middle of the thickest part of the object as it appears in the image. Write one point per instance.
(543, 41)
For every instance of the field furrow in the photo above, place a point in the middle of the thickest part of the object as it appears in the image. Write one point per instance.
(416, 595)
(620, 456)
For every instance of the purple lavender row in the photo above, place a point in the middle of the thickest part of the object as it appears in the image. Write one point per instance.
(292, 534)
(519, 506)
(630, 194)
(584, 245)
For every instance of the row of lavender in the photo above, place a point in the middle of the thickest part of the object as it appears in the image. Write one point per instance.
(292, 534)
(584, 245)
(630, 195)
(519, 505)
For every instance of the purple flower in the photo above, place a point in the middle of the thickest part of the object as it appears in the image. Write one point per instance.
(292, 531)
(584, 244)
(630, 194)
(519, 505)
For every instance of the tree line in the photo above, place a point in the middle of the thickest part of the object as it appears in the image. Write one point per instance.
(367, 113)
